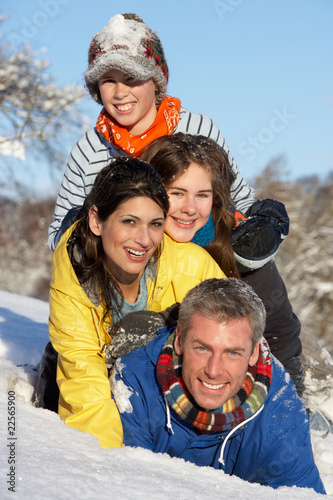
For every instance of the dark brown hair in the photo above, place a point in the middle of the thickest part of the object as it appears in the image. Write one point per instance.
(121, 180)
(171, 155)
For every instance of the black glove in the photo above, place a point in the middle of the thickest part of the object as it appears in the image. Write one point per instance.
(136, 330)
(256, 240)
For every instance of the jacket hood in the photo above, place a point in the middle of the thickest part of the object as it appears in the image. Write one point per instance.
(64, 278)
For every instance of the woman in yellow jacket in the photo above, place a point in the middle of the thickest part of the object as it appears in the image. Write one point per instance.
(114, 260)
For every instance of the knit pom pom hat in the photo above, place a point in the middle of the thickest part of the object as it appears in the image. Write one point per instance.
(126, 43)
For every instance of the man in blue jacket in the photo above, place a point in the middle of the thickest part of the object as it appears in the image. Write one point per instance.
(209, 391)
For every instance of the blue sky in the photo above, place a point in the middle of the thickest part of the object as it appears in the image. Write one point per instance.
(262, 70)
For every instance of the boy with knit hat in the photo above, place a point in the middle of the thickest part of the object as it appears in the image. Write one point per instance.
(128, 75)
(141, 56)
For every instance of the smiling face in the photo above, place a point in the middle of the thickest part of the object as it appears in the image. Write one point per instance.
(130, 236)
(215, 358)
(131, 103)
(190, 198)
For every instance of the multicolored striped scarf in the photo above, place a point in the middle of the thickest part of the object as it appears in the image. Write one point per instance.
(236, 410)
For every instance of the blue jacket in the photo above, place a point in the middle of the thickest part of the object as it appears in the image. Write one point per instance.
(273, 448)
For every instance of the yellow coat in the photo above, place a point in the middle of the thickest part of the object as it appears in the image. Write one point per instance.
(78, 334)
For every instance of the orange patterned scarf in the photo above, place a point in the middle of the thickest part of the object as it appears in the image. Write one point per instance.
(166, 120)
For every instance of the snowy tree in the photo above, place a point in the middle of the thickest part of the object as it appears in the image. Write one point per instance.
(305, 259)
(36, 113)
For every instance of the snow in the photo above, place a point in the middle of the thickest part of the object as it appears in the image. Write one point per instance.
(12, 148)
(120, 32)
(54, 461)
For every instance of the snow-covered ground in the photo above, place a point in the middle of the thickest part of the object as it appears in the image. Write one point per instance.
(51, 461)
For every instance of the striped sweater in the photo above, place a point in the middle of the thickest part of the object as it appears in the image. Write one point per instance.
(92, 152)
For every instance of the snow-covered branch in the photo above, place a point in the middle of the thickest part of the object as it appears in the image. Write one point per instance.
(36, 113)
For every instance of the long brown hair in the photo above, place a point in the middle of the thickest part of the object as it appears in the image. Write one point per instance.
(121, 180)
(172, 155)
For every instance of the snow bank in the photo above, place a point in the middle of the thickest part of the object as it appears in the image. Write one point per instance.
(53, 461)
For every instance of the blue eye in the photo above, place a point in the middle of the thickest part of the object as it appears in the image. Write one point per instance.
(201, 348)
(234, 354)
